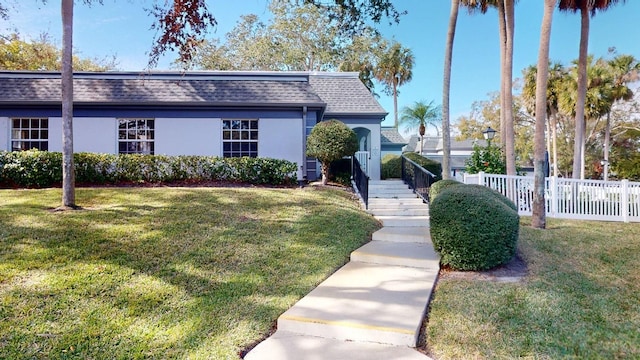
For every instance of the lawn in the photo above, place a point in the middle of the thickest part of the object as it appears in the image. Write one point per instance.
(580, 299)
(189, 273)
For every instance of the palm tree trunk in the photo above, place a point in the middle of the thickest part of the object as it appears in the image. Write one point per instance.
(68, 175)
(395, 104)
(502, 32)
(578, 146)
(607, 136)
(539, 216)
(446, 89)
(507, 75)
(554, 134)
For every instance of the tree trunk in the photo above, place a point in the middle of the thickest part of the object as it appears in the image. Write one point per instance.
(324, 168)
(421, 130)
(395, 104)
(446, 88)
(539, 216)
(507, 75)
(502, 33)
(607, 136)
(554, 143)
(68, 175)
(578, 146)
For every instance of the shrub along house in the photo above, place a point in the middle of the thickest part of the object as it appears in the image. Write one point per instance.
(258, 114)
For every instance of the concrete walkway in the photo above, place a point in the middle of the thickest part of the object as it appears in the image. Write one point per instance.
(373, 307)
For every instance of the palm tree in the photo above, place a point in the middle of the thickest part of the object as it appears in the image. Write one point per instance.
(506, 15)
(420, 115)
(446, 90)
(555, 88)
(507, 81)
(68, 175)
(394, 69)
(597, 99)
(586, 8)
(539, 216)
(624, 69)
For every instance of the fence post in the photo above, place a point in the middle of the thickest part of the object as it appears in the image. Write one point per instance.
(624, 199)
(554, 195)
(481, 178)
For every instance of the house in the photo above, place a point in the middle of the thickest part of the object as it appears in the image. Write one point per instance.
(226, 113)
(432, 148)
(391, 141)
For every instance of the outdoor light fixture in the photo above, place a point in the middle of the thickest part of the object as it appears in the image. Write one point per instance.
(489, 133)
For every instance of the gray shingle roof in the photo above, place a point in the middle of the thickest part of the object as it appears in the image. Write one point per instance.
(390, 135)
(345, 94)
(433, 144)
(131, 88)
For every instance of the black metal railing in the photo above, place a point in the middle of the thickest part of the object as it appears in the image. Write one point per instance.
(418, 178)
(360, 181)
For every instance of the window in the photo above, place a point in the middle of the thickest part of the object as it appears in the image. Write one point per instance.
(240, 138)
(29, 133)
(135, 136)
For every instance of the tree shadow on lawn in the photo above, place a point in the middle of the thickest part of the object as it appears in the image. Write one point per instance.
(576, 301)
(203, 278)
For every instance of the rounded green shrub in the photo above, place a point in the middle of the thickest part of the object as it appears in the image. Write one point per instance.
(437, 187)
(329, 141)
(473, 229)
(391, 167)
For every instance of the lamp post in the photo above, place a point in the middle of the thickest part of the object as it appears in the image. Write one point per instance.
(488, 135)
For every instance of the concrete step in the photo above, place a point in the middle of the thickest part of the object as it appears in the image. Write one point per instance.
(403, 234)
(390, 191)
(386, 182)
(403, 221)
(365, 302)
(285, 345)
(420, 255)
(402, 195)
(424, 211)
(416, 203)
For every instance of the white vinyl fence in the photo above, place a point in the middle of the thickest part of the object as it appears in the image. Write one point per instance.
(569, 198)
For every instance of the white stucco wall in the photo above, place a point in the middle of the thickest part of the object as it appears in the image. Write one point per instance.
(282, 139)
(89, 135)
(189, 136)
(55, 134)
(5, 134)
(97, 135)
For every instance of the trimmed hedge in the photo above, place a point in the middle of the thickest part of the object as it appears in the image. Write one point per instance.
(35, 168)
(437, 187)
(391, 167)
(433, 166)
(472, 228)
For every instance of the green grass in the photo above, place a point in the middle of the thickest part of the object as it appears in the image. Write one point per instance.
(580, 300)
(189, 273)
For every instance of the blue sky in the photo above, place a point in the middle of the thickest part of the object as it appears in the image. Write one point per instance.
(121, 28)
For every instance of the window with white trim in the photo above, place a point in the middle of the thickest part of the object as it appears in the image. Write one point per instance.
(136, 136)
(29, 133)
(240, 138)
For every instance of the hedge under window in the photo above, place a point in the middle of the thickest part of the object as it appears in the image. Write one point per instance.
(240, 138)
(29, 133)
(136, 136)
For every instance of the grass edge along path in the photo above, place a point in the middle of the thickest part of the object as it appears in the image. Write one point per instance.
(196, 273)
(580, 299)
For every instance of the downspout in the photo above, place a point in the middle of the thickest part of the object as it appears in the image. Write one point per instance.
(303, 167)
